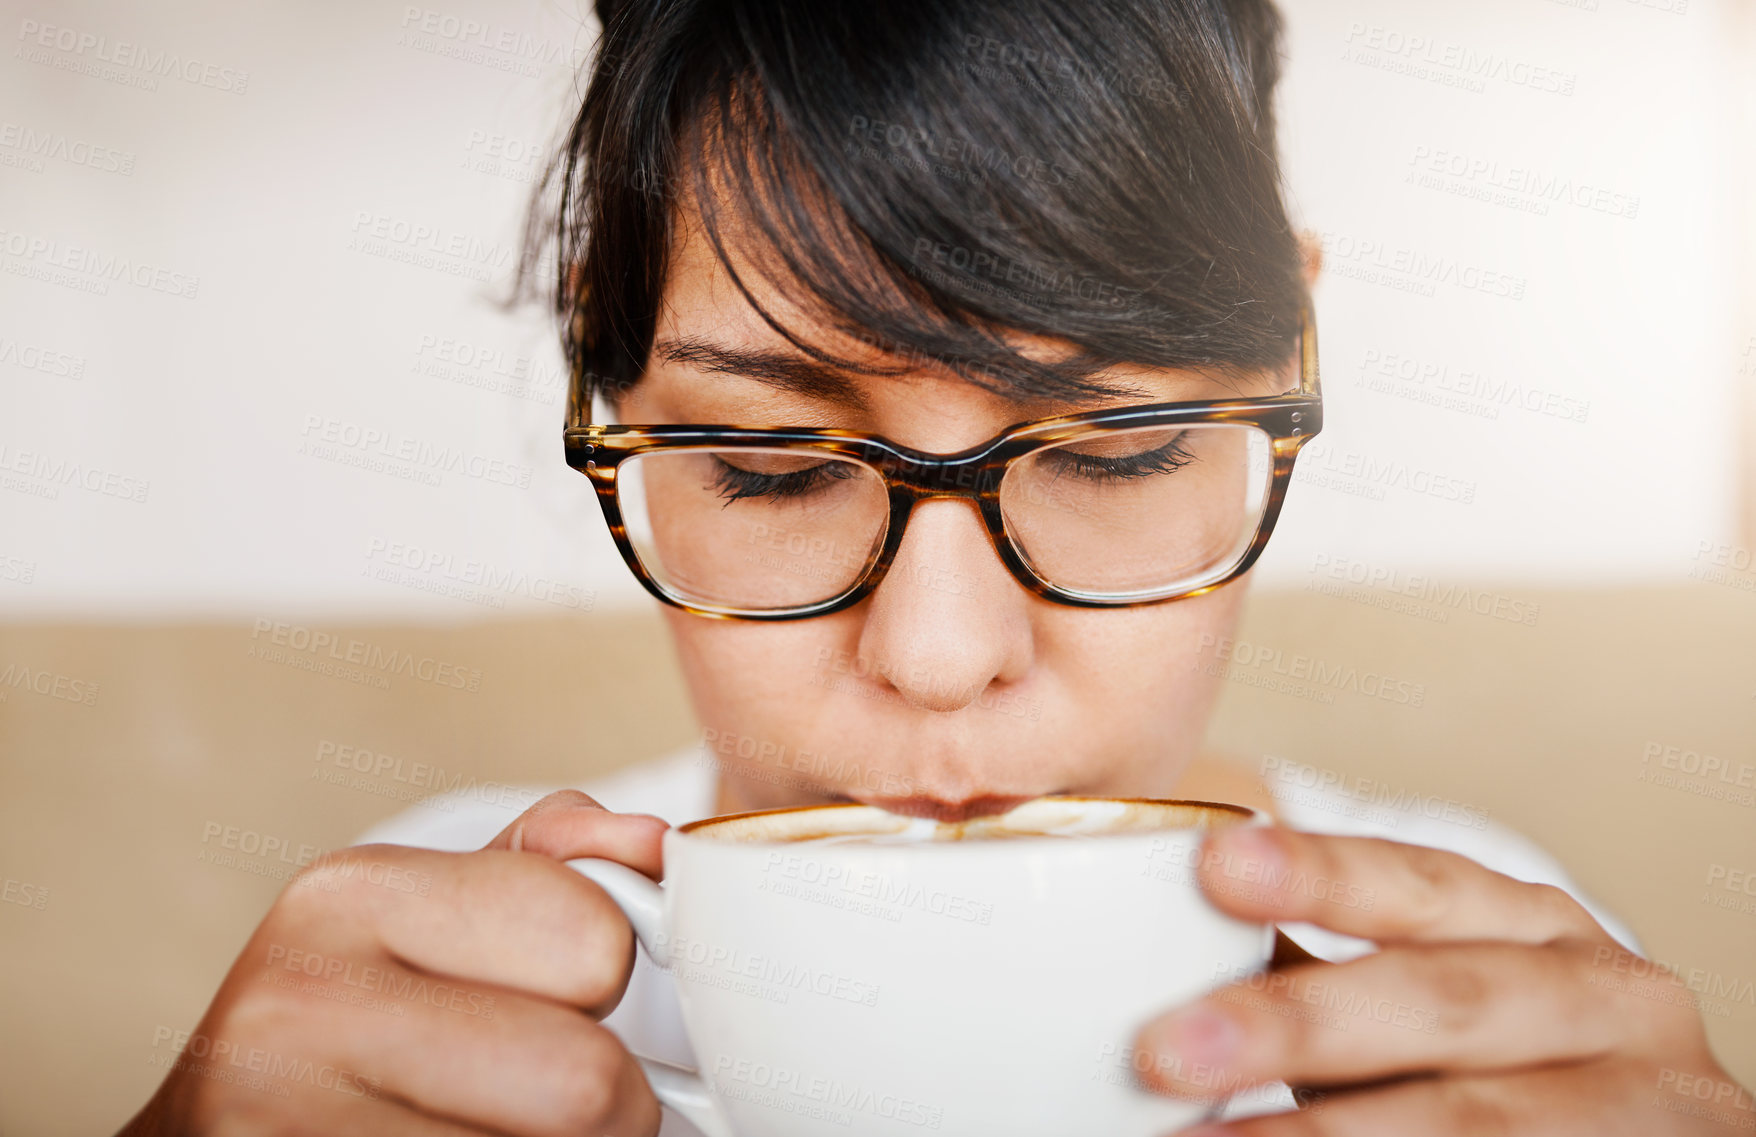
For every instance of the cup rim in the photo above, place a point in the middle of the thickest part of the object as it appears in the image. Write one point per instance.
(1245, 814)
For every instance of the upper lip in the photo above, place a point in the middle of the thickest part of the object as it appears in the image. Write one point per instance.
(940, 809)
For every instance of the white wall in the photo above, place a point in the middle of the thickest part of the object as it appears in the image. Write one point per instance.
(1555, 180)
(351, 119)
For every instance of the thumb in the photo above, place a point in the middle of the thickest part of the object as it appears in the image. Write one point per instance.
(569, 824)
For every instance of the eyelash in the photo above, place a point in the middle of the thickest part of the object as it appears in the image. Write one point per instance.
(736, 484)
(1167, 459)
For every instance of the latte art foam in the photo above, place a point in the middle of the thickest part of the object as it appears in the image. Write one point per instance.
(1099, 817)
(1041, 817)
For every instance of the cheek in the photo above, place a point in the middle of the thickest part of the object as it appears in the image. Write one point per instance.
(1103, 673)
(1142, 662)
(742, 673)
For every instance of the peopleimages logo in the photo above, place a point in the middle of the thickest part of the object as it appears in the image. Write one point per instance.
(1324, 786)
(52, 684)
(869, 892)
(1428, 57)
(1327, 465)
(34, 357)
(32, 146)
(386, 451)
(1389, 371)
(466, 578)
(1317, 672)
(103, 58)
(1377, 262)
(46, 475)
(253, 1067)
(392, 982)
(425, 782)
(469, 40)
(768, 976)
(363, 653)
(1532, 188)
(787, 1090)
(56, 261)
(1426, 590)
(954, 155)
(1033, 281)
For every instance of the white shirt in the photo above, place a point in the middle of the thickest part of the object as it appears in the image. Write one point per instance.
(681, 787)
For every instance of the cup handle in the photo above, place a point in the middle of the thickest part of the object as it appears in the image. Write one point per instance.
(643, 902)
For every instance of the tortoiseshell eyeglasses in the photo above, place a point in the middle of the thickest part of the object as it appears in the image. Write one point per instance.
(1103, 509)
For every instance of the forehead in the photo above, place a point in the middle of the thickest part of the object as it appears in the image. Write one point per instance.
(709, 334)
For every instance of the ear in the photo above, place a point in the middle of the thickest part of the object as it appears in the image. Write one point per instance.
(1310, 255)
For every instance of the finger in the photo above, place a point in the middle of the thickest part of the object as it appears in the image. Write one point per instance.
(501, 918)
(569, 824)
(336, 1114)
(471, 1055)
(1408, 1010)
(1596, 1100)
(1380, 890)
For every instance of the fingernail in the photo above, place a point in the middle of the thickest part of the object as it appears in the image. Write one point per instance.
(1200, 1035)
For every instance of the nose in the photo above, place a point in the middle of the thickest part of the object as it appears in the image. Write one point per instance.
(948, 619)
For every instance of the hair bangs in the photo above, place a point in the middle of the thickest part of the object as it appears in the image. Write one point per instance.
(931, 179)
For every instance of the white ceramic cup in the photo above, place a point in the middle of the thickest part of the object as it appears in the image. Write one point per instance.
(875, 988)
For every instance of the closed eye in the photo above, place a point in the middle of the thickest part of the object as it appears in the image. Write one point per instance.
(735, 483)
(1166, 459)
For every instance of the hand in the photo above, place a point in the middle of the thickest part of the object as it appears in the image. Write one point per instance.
(1494, 1007)
(395, 991)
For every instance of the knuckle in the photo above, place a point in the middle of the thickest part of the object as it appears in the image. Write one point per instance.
(244, 1117)
(561, 801)
(564, 799)
(1300, 1123)
(1430, 888)
(1472, 1109)
(1560, 908)
(605, 970)
(1636, 999)
(1432, 869)
(1292, 1030)
(269, 1017)
(1274, 1014)
(341, 878)
(256, 1022)
(600, 940)
(1459, 992)
(589, 1081)
(314, 891)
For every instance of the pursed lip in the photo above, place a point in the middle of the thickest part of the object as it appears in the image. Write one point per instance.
(939, 809)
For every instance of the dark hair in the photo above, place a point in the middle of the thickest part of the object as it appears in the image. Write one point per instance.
(925, 175)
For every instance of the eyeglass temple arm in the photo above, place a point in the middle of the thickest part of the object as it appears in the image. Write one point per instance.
(1310, 382)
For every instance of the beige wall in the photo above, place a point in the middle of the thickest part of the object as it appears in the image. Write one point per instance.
(106, 805)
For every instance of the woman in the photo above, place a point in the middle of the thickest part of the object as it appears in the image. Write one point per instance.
(937, 224)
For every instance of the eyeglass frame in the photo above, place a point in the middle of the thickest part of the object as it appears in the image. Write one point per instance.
(912, 476)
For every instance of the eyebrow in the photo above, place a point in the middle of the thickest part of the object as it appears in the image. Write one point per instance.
(786, 371)
(781, 370)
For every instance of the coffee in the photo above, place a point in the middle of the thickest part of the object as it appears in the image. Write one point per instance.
(1062, 816)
